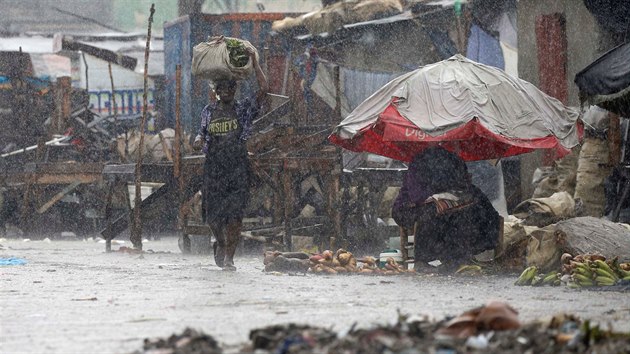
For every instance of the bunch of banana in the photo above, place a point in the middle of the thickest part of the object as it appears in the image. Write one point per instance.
(530, 276)
(527, 276)
(594, 270)
(552, 278)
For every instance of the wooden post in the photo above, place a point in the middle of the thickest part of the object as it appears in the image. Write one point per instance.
(63, 105)
(108, 212)
(177, 159)
(136, 227)
(278, 209)
(287, 184)
(334, 212)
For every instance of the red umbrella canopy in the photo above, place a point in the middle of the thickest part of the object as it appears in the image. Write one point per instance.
(474, 110)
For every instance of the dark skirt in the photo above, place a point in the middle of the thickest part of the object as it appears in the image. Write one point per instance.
(457, 235)
(226, 183)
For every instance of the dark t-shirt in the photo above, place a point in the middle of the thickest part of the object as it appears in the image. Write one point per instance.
(223, 127)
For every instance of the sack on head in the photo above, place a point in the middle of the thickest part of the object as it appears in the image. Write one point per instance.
(211, 60)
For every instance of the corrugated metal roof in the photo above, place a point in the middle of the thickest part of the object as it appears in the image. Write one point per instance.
(133, 48)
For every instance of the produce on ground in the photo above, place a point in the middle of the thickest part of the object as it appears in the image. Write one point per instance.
(339, 262)
(584, 270)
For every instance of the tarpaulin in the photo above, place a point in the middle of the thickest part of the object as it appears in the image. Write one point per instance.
(480, 110)
(606, 81)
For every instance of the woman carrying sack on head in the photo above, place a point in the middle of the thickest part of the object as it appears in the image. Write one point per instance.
(225, 127)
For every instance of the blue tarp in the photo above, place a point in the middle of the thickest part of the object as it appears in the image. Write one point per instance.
(484, 48)
(12, 261)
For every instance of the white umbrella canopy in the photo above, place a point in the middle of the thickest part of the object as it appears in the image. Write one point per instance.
(439, 100)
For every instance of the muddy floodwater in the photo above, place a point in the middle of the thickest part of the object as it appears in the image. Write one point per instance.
(72, 297)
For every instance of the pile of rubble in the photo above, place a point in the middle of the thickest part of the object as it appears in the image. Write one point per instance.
(493, 328)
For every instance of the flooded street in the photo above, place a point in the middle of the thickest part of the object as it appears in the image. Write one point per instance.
(72, 297)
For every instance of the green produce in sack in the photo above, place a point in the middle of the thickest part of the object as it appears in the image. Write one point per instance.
(222, 58)
(238, 55)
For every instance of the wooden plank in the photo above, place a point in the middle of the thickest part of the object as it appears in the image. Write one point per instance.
(150, 172)
(104, 54)
(57, 197)
(66, 179)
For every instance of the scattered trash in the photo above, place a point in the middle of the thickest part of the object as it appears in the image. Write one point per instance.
(495, 330)
(436, 263)
(189, 342)
(125, 249)
(495, 316)
(479, 342)
(12, 261)
(146, 319)
(85, 299)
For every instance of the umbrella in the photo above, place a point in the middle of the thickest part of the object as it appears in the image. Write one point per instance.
(476, 111)
(606, 81)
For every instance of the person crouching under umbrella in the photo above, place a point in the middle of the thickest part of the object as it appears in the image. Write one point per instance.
(453, 219)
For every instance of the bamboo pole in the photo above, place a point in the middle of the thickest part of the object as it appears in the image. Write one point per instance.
(87, 80)
(136, 227)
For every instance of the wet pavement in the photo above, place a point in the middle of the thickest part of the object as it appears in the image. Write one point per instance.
(72, 297)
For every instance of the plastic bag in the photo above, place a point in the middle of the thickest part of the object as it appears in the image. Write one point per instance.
(211, 60)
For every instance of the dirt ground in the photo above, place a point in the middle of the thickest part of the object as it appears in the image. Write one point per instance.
(72, 297)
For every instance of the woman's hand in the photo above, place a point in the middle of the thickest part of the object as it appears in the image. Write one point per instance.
(251, 52)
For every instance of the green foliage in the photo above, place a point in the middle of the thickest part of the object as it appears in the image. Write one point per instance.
(238, 55)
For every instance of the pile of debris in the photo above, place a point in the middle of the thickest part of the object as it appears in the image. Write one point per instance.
(334, 16)
(189, 342)
(493, 328)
